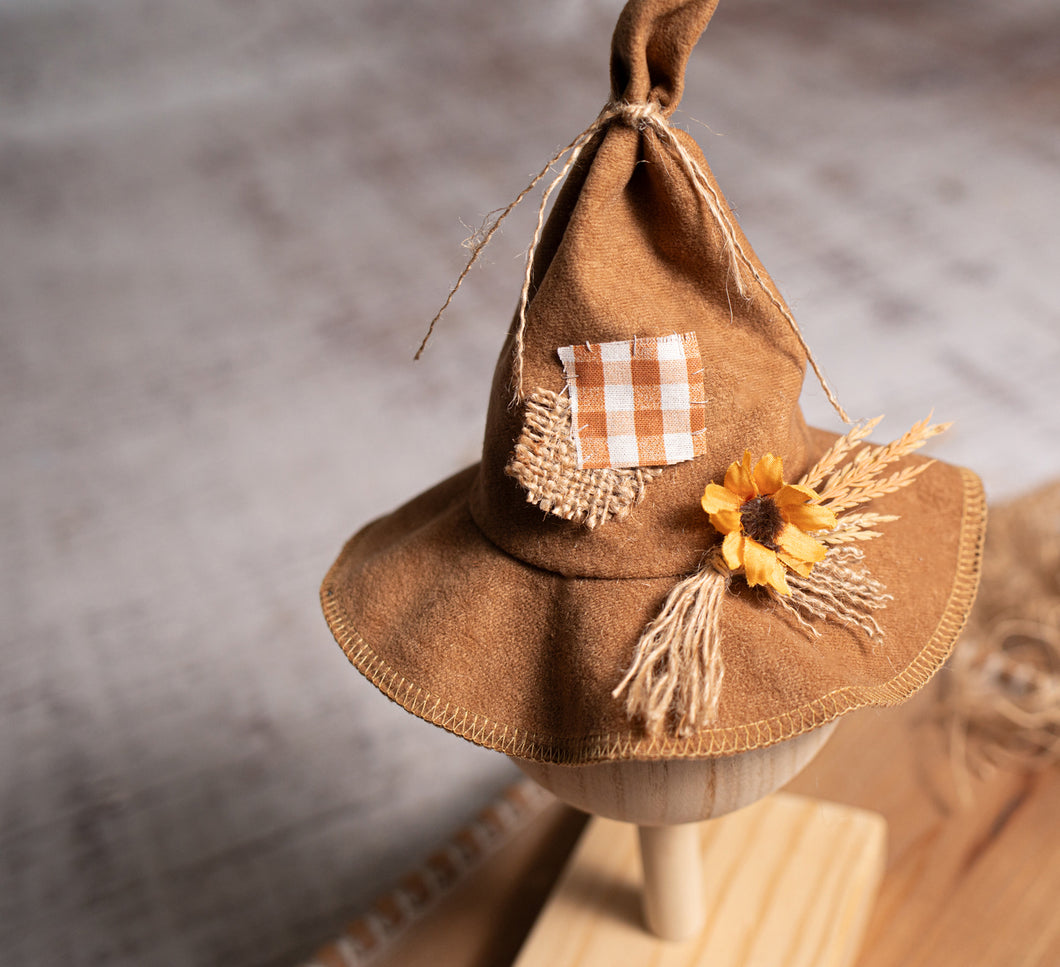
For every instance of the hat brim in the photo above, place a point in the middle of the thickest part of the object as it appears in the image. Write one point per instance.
(524, 660)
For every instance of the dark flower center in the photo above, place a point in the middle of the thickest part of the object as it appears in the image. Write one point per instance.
(762, 521)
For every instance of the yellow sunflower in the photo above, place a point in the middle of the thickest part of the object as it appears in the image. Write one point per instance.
(766, 522)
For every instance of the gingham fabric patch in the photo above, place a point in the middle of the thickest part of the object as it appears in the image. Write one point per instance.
(638, 403)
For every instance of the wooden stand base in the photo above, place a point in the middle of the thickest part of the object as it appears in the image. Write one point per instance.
(788, 881)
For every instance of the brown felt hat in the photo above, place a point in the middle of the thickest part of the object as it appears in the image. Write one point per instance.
(512, 625)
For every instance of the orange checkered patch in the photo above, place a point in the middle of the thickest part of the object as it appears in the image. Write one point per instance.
(638, 403)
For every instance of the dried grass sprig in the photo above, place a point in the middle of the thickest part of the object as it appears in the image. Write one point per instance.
(871, 488)
(859, 481)
(856, 527)
(847, 475)
(837, 452)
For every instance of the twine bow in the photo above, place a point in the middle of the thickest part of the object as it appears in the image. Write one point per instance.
(645, 116)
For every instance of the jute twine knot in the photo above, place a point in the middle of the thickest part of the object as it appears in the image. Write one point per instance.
(635, 115)
(644, 117)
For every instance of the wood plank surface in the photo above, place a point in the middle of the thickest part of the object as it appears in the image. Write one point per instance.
(973, 884)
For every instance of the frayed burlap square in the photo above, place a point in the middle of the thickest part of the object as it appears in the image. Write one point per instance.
(545, 463)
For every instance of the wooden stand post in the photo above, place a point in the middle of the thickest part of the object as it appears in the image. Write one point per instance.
(673, 880)
(788, 880)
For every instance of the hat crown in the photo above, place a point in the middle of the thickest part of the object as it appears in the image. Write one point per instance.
(629, 252)
(651, 46)
(481, 612)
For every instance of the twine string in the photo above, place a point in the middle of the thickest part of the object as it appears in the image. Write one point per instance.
(646, 116)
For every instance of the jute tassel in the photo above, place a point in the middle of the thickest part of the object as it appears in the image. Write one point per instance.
(643, 117)
(677, 667)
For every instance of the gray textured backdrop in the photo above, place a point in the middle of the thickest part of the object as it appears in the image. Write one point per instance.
(223, 226)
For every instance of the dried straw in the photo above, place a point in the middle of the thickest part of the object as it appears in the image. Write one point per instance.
(1000, 696)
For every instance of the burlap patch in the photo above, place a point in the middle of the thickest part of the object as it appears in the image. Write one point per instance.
(545, 463)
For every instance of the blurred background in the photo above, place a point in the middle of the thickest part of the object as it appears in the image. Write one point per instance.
(224, 226)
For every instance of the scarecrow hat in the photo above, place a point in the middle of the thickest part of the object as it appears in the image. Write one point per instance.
(656, 556)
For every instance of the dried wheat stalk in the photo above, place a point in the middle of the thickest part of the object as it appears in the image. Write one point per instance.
(849, 474)
(856, 527)
(871, 488)
(859, 480)
(835, 454)
(676, 674)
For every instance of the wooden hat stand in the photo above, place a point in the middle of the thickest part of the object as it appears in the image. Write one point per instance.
(729, 872)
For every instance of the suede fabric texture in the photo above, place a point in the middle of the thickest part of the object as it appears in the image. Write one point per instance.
(476, 611)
